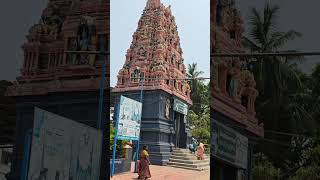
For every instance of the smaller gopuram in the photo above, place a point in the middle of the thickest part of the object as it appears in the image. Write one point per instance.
(233, 95)
(155, 66)
(56, 80)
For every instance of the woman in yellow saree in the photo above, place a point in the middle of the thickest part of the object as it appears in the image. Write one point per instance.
(144, 170)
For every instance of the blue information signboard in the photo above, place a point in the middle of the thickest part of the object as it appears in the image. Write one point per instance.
(128, 122)
(129, 119)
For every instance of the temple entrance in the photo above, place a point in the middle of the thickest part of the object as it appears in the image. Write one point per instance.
(181, 135)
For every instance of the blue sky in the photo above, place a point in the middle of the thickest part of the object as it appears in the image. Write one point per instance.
(193, 21)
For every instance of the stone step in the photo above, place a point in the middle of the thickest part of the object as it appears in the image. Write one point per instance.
(193, 161)
(181, 150)
(195, 166)
(184, 155)
(194, 169)
(187, 157)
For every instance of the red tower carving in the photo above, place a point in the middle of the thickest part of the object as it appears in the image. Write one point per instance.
(155, 55)
(64, 25)
(236, 102)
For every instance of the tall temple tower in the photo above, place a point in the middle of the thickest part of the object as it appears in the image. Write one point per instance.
(155, 55)
(154, 64)
(52, 79)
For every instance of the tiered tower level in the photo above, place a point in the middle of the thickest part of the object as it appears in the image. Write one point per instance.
(233, 88)
(65, 25)
(155, 55)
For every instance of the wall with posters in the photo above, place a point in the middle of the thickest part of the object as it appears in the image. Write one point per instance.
(63, 149)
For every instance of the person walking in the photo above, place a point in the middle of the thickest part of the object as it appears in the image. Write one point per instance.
(200, 152)
(144, 170)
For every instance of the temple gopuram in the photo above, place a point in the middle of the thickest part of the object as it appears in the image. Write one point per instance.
(155, 66)
(235, 129)
(56, 80)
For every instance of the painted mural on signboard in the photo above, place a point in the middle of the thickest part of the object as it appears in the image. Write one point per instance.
(63, 149)
(129, 121)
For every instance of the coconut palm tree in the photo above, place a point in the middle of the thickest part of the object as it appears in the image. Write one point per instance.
(193, 74)
(280, 104)
(199, 91)
(271, 73)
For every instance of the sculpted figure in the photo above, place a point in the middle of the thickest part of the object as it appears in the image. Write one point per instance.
(84, 37)
(168, 108)
(235, 77)
(73, 47)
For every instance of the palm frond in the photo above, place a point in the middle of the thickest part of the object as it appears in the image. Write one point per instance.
(270, 12)
(281, 38)
(247, 43)
(256, 23)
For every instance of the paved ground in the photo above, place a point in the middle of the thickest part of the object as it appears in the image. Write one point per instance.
(166, 173)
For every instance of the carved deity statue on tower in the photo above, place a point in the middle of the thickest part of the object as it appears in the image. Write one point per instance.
(235, 74)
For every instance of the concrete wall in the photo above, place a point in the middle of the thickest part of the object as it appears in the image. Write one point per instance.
(79, 106)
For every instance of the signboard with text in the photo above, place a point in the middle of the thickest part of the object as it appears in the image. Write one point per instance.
(129, 120)
(180, 107)
(63, 149)
(229, 145)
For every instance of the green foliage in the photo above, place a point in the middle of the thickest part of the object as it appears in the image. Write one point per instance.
(199, 90)
(271, 73)
(288, 101)
(315, 85)
(202, 134)
(199, 113)
(282, 104)
(308, 173)
(200, 125)
(311, 165)
(263, 169)
(120, 143)
(112, 133)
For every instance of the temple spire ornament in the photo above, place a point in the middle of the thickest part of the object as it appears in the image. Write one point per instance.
(152, 4)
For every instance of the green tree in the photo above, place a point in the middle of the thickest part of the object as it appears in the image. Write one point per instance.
(120, 143)
(310, 166)
(199, 90)
(193, 73)
(200, 125)
(278, 82)
(271, 73)
(199, 115)
(263, 169)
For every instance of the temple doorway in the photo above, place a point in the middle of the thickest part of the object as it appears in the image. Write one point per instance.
(181, 135)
